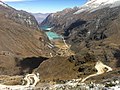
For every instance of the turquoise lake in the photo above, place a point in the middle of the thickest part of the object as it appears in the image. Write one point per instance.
(51, 35)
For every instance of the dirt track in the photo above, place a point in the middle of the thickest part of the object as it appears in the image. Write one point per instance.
(101, 68)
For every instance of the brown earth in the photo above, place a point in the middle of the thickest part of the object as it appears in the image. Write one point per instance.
(92, 35)
(18, 16)
(82, 64)
(20, 42)
(23, 49)
(11, 80)
(65, 68)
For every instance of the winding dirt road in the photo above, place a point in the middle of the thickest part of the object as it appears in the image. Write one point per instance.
(101, 68)
(31, 79)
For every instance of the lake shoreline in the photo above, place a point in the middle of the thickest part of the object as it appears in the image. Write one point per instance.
(51, 35)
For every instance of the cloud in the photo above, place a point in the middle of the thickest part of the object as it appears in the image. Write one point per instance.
(13, 0)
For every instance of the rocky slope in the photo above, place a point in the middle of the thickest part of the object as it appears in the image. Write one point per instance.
(21, 17)
(20, 45)
(78, 16)
(93, 32)
(58, 19)
(102, 24)
(93, 36)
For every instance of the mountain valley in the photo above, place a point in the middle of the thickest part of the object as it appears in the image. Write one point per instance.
(93, 33)
(87, 54)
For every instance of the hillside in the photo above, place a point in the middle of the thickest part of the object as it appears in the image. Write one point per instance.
(93, 33)
(87, 54)
(19, 41)
(19, 16)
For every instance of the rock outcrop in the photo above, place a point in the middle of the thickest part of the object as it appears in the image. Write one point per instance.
(19, 16)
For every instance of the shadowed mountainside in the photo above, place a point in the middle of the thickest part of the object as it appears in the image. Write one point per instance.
(94, 34)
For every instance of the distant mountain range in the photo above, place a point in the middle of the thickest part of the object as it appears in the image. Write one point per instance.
(40, 16)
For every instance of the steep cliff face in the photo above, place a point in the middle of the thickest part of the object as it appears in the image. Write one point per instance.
(21, 17)
(18, 41)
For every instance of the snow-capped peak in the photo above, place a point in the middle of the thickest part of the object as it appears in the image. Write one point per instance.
(93, 5)
(3, 4)
(100, 2)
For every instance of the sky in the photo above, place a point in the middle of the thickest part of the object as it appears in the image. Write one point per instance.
(44, 6)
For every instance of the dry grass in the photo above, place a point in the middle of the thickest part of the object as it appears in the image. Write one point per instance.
(11, 80)
(18, 41)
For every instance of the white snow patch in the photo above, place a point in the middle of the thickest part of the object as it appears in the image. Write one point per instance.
(93, 5)
(3, 4)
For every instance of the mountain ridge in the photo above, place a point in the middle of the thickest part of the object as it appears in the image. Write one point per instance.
(19, 16)
(93, 35)
(93, 5)
(20, 42)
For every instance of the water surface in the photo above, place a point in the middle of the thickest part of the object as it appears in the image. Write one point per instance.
(51, 35)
